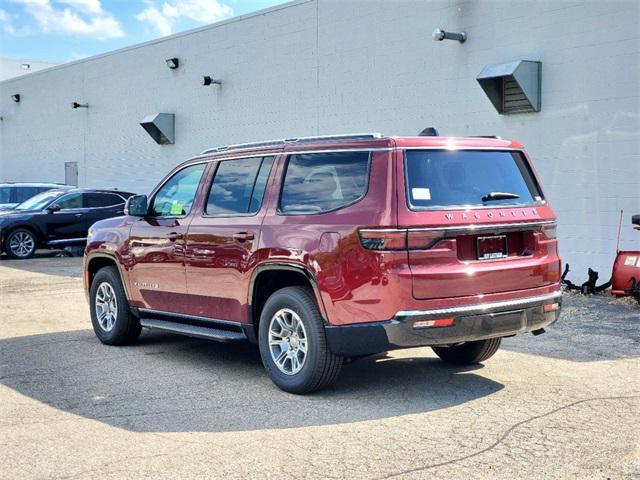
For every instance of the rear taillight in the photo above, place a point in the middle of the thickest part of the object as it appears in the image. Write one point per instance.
(549, 231)
(384, 239)
(423, 239)
(399, 239)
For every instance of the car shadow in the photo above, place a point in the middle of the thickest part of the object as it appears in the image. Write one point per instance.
(47, 262)
(590, 328)
(168, 383)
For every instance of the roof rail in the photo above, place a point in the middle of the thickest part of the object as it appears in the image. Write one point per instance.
(286, 141)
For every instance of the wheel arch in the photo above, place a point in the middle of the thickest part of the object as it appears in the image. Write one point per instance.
(97, 261)
(270, 277)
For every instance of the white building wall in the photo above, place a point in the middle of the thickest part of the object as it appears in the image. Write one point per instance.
(330, 66)
(15, 67)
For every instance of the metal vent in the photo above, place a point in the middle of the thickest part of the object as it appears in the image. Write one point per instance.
(161, 127)
(513, 87)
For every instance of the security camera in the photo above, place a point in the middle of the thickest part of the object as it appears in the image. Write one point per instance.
(172, 63)
(438, 35)
(207, 80)
(15, 97)
(75, 105)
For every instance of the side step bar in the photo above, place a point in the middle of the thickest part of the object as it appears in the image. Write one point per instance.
(209, 333)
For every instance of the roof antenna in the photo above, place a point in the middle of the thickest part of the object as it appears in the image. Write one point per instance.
(429, 132)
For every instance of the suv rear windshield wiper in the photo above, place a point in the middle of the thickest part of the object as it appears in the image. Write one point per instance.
(499, 196)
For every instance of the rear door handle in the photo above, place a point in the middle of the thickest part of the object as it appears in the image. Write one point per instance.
(78, 215)
(243, 236)
(173, 236)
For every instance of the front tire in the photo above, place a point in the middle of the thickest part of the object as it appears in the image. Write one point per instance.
(292, 342)
(21, 244)
(112, 319)
(469, 353)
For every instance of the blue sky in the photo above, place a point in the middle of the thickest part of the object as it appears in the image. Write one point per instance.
(63, 30)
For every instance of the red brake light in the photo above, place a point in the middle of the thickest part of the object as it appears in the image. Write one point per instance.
(383, 239)
(437, 322)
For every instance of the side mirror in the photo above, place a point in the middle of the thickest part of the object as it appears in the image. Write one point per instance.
(136, 206)
(53, 208)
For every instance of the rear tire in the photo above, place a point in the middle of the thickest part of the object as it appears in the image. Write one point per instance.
(21, 244)
(289, 321)
(112, 319)
(469, 353)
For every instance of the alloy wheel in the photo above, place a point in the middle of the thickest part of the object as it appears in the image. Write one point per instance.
(287, 341)
(22, 244)
(106, 306)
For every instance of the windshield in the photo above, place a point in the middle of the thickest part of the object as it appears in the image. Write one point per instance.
(40, 201)
(462, 178)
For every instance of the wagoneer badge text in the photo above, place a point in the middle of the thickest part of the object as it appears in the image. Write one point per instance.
(478, 215)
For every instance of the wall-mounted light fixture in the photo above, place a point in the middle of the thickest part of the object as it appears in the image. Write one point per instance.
(207, 80)
(25, 66)
(15, 97)
(438, 35)
(79, 105)
(172, 63)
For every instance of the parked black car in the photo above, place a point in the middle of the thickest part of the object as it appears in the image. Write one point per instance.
(13, 194)
(56, 219)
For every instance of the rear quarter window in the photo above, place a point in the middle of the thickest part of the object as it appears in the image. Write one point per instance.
(462, 178)
(323, 182)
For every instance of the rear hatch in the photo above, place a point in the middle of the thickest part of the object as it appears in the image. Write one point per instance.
(477, 223)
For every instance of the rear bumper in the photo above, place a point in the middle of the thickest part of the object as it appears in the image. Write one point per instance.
(471, 322)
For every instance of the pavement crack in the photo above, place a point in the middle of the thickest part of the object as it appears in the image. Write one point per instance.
(503, 437)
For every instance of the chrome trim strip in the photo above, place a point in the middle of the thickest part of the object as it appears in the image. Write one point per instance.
(465, 228)
(479, 308)
(283, 152)
(67, 240)
(293, 140)
(185, 316)
(485, 227)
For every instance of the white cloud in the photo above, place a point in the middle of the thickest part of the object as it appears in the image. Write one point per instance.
(78, 17)
(163, 18)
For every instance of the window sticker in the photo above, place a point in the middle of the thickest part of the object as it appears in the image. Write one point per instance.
(421, 194)
(176, 208)
(630, 260)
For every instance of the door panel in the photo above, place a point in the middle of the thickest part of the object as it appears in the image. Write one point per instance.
(70, 222)
(222, 241)
(157, 275)
(157, 243)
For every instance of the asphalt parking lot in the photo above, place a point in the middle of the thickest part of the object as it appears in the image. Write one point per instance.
(565, 404)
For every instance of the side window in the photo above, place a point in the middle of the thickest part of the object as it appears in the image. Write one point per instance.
(24, 193)
(175, 197)
(322, 182)
(5, 194)
(97, 200)
(72, 200)
(238, 186)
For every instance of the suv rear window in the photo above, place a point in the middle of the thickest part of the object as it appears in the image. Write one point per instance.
(460, 178)
(322, 182)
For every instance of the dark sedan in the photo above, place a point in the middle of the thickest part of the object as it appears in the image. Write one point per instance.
(56, 219)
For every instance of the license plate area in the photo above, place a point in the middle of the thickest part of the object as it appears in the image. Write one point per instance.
(491, 247)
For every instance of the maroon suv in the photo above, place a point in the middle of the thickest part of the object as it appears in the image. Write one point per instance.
(325, 248)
